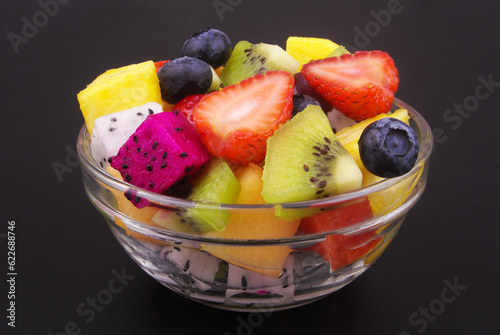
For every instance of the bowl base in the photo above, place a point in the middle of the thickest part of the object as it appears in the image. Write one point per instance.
(306, 278)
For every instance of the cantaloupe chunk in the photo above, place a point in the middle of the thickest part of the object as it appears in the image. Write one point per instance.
(153, 216)
(119, 89)
(140, 214)
(249, 225)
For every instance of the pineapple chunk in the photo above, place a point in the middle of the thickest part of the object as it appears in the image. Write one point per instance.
(305, 49)
(387, 200)
(119, 89)
(349, 138)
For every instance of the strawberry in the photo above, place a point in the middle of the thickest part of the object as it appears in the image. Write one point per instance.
(236, 121)
(342, 250)
(186, 105)
(159, 64)
(360, 85)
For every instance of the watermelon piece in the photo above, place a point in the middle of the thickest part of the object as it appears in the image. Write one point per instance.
(342, 250)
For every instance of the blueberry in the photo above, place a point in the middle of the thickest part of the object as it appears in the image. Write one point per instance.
(210, 45)
(302, 87)
(388, 148)
(300, 102)
(182, 77)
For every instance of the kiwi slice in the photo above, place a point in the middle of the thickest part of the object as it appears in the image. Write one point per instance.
(305, 161)
(249, 59)
(215, 185)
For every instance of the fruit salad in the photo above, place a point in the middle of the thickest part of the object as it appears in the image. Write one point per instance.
(251, 124)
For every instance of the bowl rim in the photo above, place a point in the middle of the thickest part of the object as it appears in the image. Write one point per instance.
(425, 149)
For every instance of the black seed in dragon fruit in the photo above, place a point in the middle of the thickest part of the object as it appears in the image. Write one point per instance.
(112, 130)
(193, 266)
(163, 150)
(244, 286)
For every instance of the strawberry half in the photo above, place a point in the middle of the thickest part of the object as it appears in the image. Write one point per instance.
(236, 121)
(186, 105)
(159, 64)
(360, 85)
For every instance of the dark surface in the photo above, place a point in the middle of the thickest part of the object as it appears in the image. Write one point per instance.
(65, 254)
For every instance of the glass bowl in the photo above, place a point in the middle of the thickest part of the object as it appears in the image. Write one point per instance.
(259, 274)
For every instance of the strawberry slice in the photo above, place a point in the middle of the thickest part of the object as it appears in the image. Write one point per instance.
(342, 250)
(186, 105)
(236, 121)
(360, 85)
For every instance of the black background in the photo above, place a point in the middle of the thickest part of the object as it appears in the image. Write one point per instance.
(66, 254)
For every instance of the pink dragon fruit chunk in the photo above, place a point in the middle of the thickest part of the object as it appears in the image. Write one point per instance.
(163, 150)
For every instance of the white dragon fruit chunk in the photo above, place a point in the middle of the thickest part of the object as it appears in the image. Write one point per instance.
(245, 285)
(201, 265)
(338, 120)
(111, 131)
